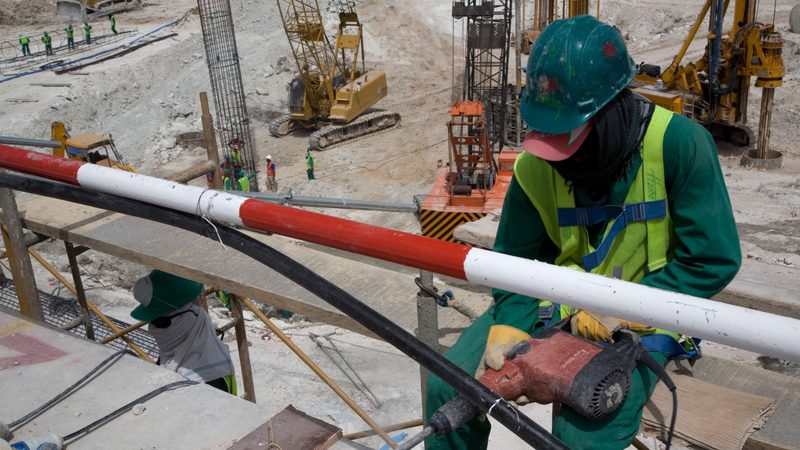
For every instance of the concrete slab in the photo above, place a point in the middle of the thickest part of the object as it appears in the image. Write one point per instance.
(37, 363)
(387, 288)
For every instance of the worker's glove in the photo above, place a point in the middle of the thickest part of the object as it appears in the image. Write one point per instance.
(501, 339)
(597, 327)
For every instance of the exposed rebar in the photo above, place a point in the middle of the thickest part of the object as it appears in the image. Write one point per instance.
(232, 121)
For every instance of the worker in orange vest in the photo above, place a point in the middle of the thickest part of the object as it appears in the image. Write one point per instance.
(272, 185)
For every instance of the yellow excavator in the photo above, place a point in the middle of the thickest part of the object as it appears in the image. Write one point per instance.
(714, 89)
(89, 147)
(331, 93)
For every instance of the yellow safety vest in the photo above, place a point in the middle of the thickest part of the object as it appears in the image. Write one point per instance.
(642, 246)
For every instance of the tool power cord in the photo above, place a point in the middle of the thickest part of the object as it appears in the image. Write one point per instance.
(464, 383)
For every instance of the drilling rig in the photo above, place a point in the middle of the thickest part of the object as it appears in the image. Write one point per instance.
(331, 94)
(479, 170)
(714, 89)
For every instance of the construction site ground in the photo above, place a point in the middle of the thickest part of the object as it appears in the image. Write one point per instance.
(147, 98)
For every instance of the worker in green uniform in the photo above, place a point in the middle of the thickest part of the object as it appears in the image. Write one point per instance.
(597, 146)
(87, 33)
(48, 43)
(25, 44)
(113, 21)
(70, 37)
(309, 165)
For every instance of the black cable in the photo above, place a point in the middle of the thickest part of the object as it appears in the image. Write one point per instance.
(68, 391)
(123, 409)
(464, 383)
(648, 360)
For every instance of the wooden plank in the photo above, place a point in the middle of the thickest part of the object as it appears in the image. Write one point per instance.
(51, 84)
(291, 429)
(21, 267)
(390, 291)
(735, 415)
(781, 429)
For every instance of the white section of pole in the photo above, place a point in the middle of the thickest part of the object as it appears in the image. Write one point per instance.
(757, 331)
(217, 205)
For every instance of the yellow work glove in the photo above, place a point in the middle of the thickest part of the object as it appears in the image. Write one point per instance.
(597, 327)
(501, 339)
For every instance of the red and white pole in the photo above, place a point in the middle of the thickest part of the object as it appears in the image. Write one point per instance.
(745, 328)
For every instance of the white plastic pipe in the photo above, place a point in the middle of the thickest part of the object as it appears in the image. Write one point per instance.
(757, 331)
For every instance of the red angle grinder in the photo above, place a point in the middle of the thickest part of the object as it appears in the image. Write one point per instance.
(555, 366)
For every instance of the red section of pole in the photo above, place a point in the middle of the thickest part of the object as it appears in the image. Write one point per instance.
(41, 164)
(389, 245)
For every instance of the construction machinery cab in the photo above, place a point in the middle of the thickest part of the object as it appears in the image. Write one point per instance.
(89, 147)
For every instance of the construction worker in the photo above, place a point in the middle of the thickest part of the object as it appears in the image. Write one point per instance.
(183, 330)
(595, 147)
(25, 42)
(48, 43)
(310, 165)
(87, 33)
(272, 185)
(70, 37)
(113, 21)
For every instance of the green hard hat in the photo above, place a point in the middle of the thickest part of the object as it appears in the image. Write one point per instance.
(575, 67)
(161, 293)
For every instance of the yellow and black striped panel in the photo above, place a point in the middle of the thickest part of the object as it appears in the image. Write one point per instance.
(441, 224)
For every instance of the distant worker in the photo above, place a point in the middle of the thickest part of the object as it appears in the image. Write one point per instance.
(183, 330)
(236, 145)
(310, 165)
(48, 43)
(25, 42)
(608, 183)
(113, 21)
(243, 182)
(70, 37)
(87, 33)
(272, 185)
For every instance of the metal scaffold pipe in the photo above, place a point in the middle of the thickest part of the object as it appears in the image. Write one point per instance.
(328, 202)
(766, 333)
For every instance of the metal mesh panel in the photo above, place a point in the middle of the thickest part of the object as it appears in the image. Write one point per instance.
(59, 311)
(232, 121)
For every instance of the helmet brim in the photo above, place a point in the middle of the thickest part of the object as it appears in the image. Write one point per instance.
(557, 147)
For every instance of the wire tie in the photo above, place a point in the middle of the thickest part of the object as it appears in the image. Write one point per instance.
(219, 238)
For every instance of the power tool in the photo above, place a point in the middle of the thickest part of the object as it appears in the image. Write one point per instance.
(556, 366)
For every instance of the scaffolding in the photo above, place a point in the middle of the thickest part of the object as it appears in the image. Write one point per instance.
(232, 122)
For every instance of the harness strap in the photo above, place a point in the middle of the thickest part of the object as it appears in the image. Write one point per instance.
(632, 212)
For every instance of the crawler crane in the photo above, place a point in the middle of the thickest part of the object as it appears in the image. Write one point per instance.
(331, 94)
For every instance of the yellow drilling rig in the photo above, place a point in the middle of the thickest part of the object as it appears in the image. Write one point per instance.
(714, 89)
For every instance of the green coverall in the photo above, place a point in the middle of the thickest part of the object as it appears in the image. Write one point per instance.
(48, 43)
(70, 37)
(24, 42)
(705, 260)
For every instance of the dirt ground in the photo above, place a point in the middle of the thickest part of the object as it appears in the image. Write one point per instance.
(147, 98)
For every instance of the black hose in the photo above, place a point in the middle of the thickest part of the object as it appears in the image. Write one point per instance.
(464, 383)
(68, 391)
(74, 436)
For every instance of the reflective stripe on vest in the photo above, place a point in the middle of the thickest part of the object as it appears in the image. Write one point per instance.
(640, 247)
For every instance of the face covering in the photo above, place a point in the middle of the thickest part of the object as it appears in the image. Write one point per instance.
(606, 153)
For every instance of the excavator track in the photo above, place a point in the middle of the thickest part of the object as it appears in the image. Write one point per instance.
(368, 123)
(281, 126)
